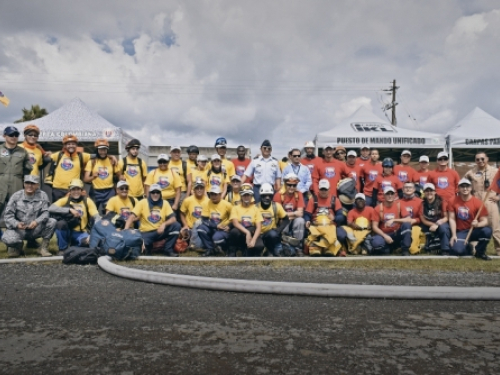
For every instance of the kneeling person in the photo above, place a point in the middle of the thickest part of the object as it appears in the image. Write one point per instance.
(434, 219)
(191, 210)
(27, 218)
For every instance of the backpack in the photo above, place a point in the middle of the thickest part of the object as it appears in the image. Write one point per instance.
(139, 160)
(119, 244)
(81, 255)
(53, 166)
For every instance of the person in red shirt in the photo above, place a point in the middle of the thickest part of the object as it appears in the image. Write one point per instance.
(241, 163)
(421, 176)
(360, 210)
(329, 169)
(462, 216)
(434, 218)
(405, 171)
(340, 153)
(353, 169)
(364, 158)
(388, 178)
(369, 172)
(444, 178)
(411, 203)
(391, 226)
(310, 159)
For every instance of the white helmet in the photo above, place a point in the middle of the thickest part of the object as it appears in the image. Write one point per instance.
(309, 144)
(266, 188)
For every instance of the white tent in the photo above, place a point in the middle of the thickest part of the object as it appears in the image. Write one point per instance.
(476, 130)
(365, 128)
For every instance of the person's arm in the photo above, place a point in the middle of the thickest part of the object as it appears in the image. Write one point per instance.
(10, 215)
(170, 220)
(258, 228)
(340, 218)
(481, 223)
(44, 212)
(453, 227)
(400, 193)
(224, 190)
(177, 198)
(374, 197)
(277, 184)
(130, 221)
(376, 229)
(283, 224)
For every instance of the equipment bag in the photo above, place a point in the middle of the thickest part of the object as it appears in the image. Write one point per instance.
(123, 244)
(81, 255)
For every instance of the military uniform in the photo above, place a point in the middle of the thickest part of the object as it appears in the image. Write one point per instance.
(14, 164)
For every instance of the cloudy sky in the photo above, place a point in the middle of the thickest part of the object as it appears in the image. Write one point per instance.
(182, 72)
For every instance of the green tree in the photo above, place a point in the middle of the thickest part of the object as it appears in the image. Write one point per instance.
(33, 113)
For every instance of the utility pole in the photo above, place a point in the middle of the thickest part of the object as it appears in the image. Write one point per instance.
(393, 104)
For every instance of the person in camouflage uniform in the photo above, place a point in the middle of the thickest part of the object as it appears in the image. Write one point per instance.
(27, 218)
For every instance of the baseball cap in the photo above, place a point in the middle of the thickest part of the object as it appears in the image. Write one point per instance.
(215, 189)
(199, 182)
(429, 186)
(329, 145)
(220, 142)
(32, 178)
(121, 183)
(309, 144)
(163, 157)
(360, 196)
(388, 189)
(155, 187)
(10, 131)
(201, 158)
(406, 152)
(173, 148)
(215, 157)
(246, 189)
(364, 146)
(442, 154)
(76, 182)
(266, 143)
(235, 177)
(464, 181)
(324, 184)
(424, 158)
(352, 153)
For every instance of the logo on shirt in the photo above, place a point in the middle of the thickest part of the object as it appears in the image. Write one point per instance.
(354, 176)
(246, 221)
(154, 216)
(388, 217)
(463, 213)
(67, 164)
(32, 158)
(197, 212)
(409, 209)
(423, 180)
(215, 181)
(372, 175)
(125, 212)
(4, 153)
(403, 176)
(132, 171)
(385, 184)
(268, 219)
(215, 216)
(78, 208)
(442, 182)
(329, 172)
(240, 170)
(288, 207)
(311, 167)
(163, 182)
(102, 172)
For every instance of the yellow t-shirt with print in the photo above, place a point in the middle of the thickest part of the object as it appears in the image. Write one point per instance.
(192, 208)
(269, 216)
(151, 219)
(68, 168)
(226, 166)
(122, 207)
(133, 177)
(176, 166)
(104, 171)
(36, 158)
(80, 207)
(168, 181)
(246, 216)
(199, 174)
(219, 213)
(216, 179)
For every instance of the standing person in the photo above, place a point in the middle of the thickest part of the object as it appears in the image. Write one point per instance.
(340, 153)
(14, 165)
(405, 171)
(481, 177)
(216, 175)
(157, 221)
(386, 179)
(369, 172)
(241, 163)
(35, 151)
(191, 211)
(364, 158)
(330, 169)
(444, 178)
(301, 171)
(168, 180)
(247, 226)
(100, 172)
(180, 167)
(221, 149)
(133, 169)
(27, 218)
(354, 169)
(264, 168)
(495, 187)
(434, 218)
(421, 176)
(310, 159)
(193, 152)
(462, 216)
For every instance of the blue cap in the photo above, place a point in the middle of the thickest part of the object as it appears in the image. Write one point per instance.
(10, 131)
(220, 142)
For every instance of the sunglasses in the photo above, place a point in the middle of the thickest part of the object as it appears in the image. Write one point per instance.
(123, 188)
(323, 189)
(162, 162)
(465, 186)
(267, 148)
(389, 193)
(291, 185)
(429, 191)
(155, 192)
(34, 135)
(340, 153)
(295, 156)
(15, 135)
(480, 159)
(442, 159)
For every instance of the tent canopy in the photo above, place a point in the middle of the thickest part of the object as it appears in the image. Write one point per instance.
(366, 128)
(476, 130)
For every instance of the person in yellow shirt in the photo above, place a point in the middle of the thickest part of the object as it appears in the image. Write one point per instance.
(121, 203)
(233, 195)
(247, 225)
(67, 165)
(191, 213)
(214, 231)
(74, 213)
(199, 173)
(180, 167)
(157, 221)
(226, 164)
(216, 176)
(169, 181)
(133, 169)
(100, 172)
(273, 214)
(35, 151)
(193, 152)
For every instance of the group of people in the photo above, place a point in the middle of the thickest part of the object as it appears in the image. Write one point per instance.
(262, 206)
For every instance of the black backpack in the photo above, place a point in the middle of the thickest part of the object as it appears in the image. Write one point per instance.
(81, 255)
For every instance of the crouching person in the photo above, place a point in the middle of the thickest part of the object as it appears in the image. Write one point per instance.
(247, 225)
(214, 230)
(157, 221)
(74, 214)
(356, 235)
(272, 214)
(463, 210)
(434, 220)
(27, 218)
(391, 226)
(320, 220)
(191, 210)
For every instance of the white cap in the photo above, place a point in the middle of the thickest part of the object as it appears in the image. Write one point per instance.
(215, 157)
(329, 145)
(364, 146)
(199, 182)
(201, 158)
(360, 196)
(324, 184)
(429, 185)
(235, 177)
(290, 176)
(464, 181)
(424, 158)
(121, 183)
(388, 189)
(406, 152)
(443, 154)
(352, 153)
(175, 148)
(163, 157)
(309, 144)
(215, 189)
(155, 187)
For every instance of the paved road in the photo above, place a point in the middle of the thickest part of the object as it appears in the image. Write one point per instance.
(80, 320)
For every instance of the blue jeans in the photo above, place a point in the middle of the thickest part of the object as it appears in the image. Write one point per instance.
(211, 237)
(171, 233)
(256, 193)
(443, 232)
(101, 196)
(401, 237)
(368, 201)
(482, 235)
(66, 237)
(271, 241)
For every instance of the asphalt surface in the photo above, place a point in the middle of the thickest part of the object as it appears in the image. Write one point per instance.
(80, 320)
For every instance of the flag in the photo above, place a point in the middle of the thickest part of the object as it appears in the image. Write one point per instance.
(4, 100)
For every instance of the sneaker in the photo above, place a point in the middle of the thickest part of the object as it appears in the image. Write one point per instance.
(291, 240)
(13, 252)
(405, 253)
(482, 256)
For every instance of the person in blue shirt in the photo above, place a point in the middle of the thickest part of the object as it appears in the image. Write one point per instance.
(297, 168)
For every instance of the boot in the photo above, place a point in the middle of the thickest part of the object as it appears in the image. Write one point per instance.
(15, 251)
(32, 244)
(44, 249)
(231, 252)
(207, 253)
